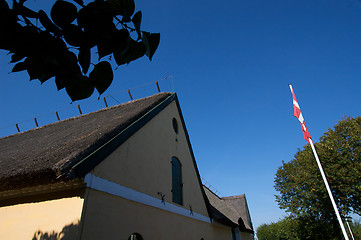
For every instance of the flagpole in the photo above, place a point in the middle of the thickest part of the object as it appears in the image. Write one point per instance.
(308, 138)
(350, 230)
(328, 189)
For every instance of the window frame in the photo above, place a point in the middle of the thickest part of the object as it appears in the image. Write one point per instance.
(177, 183)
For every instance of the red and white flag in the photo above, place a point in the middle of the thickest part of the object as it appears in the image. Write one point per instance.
(298, 114)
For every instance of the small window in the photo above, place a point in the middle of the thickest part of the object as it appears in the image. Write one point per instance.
(175, 125)
(135, 236)
(177, 185)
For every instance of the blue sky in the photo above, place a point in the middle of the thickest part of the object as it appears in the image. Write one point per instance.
(231, 62)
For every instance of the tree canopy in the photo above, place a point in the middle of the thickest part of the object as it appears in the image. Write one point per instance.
(61, 45)
(303, 228)
(299, 182)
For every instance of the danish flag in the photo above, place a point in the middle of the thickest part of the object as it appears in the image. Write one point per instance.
(298, 114)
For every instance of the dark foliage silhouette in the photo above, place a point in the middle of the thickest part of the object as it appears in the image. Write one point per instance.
(61, 45)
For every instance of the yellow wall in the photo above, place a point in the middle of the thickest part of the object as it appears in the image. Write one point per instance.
(143, 162)
(247, 236)
(22, 221)
(120, 217)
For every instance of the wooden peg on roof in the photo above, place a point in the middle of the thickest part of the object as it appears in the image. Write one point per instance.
(36, 122)
(105, 102)
(130, 95)
(57, 116)
(157, 86)
(80, 110)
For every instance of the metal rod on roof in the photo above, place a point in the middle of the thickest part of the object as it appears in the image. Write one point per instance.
(79, 110)
(17, 127)
(36, 122)
(105, 101)
(57, 116)
(130, 95)
(157, 86)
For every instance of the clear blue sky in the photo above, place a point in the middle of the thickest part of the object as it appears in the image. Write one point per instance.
(231, 63)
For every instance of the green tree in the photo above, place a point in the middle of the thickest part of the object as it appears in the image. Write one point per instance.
(301, 188)
(283, 229)
(61, 45)
(302, 227)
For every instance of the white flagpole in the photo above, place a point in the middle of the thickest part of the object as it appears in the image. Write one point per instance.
(308, 138)
(350, 230)
(328, 189)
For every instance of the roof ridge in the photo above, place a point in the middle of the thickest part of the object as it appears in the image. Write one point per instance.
(235, 196)
(83, 115)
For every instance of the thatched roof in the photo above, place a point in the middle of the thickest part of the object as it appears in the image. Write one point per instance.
(48, 154)
(232, 210)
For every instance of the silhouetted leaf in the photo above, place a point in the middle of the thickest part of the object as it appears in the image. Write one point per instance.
(84, 58)
(95, 16)
(21, 66)
(137, 18)
(24, 11)
(134, 51)
(151, 41)
(73, 35)
(59, 46)
(10, 32)
(123, 7)
(34, 67)
(80, 2)
(26, 40)
(79, 87)
(48, 24)
(104, 48)
(119, 39)
(17, 57)
(60, 81)
(3, 6)
(63, 13)
(120, 42)
(45, 44)
(40, 67)
(102, 76)
(46, 75)
(82, 17)
(68, 64)
(8, 19)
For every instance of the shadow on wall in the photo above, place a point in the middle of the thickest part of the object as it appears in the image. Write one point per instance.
(69, 232)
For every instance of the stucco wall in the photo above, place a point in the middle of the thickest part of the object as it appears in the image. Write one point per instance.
(112, 217)
(143, 162)
(22, 221)
(247, 236)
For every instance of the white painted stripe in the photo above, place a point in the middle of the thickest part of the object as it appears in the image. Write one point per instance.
(107, 186)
